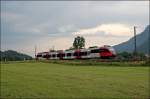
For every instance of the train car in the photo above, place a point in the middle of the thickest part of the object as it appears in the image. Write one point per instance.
(102, 52)
(95, 52)
(54, 55)
(60, 54)
(69, 54)
(82, 54)
(107, 52)
(45, 55)
(42, 55)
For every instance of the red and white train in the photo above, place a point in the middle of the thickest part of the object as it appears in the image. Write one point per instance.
(98, 52)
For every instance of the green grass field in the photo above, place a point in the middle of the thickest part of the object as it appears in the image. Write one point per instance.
(49, 80)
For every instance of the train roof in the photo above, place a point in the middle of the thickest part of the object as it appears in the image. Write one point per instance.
(82, 50)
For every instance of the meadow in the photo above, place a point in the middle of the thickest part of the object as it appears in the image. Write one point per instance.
(53, 80)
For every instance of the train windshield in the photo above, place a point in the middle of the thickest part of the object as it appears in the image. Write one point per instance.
(39, 55)
(104, 50)
(68, 54)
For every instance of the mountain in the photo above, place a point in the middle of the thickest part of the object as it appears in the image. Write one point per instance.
(142, 41)
(11, 55)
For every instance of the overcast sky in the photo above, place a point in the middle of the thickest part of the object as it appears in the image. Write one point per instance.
(45, 24)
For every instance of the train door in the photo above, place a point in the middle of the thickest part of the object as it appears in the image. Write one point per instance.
(77, 54)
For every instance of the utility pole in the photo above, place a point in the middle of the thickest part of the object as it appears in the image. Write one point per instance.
(35, 51)
(135, 51)
(149, 44)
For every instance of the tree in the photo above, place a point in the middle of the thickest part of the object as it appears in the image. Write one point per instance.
(79, 42)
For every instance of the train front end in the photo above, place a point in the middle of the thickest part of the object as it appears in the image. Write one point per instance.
(107, 52)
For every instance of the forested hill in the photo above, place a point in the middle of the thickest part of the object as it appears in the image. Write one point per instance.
(11, 55)
(142, 43)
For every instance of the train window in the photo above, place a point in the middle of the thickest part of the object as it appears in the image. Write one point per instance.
(68, 54)
(53, 55)
(58, 55)
(85, 53)
(63, 55)
(76, 54)
(95, 51)
(39, 55)
(82, 53)
(104, 50)
(46, 56)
